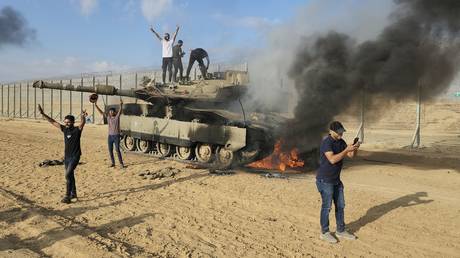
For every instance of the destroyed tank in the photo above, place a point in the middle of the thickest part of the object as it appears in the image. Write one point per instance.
(202, 122)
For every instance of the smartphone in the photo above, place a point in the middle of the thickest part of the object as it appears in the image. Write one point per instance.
(355, 140)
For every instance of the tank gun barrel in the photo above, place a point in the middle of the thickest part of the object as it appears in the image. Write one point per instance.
(98, 89)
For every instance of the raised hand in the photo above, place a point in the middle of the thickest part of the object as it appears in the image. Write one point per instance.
(351, 148)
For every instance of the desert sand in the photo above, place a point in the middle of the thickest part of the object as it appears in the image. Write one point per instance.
(399, 202)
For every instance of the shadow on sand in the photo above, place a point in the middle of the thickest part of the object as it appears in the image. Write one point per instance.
(380, 210)
(68, 227)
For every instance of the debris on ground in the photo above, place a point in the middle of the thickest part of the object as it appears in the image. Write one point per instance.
(220, 172)
(274, 175)
(194, 166)
(48, 162)
(160, 173)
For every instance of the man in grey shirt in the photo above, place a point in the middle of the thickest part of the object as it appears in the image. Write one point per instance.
(113, 120)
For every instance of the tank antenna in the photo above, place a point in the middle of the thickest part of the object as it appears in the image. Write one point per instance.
(242, 109)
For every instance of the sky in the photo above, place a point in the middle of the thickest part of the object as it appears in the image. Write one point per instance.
(76, 36)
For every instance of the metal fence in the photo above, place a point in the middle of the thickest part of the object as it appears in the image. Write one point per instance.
(19, 100)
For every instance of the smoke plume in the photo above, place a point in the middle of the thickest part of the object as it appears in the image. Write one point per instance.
(13, 28)
(420, 46)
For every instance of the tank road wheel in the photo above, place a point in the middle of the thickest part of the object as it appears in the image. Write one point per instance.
(129, 143)
(144, 146)
(122, 143)
(203, 152)
(225, 157)
(163, 149)
(184, 153)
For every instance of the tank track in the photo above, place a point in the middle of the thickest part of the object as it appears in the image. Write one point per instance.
(220, 159)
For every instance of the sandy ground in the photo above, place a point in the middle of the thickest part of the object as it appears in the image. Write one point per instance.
(399, 203)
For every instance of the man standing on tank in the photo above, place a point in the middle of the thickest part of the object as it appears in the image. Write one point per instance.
(333, 151)
(113, 121)
(177, 60)
(198, 54)
(167, 52)
(72, 150)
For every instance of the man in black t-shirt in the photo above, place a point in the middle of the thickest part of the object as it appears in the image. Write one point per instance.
(333, 150)
(198, 54)
(72, 150)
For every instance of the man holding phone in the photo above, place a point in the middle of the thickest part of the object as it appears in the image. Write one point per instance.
(332, 152)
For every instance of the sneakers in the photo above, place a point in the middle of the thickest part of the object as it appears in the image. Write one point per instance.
(328, 237)
(66, 200)
(73, 196)
(112, 166)
(345, 235)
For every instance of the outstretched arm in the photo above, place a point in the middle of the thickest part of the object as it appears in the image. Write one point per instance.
(99, 109)
(49, 119)
(83, 120)
(121, 107)
(154, 32)
(175, 33)
(207, 62)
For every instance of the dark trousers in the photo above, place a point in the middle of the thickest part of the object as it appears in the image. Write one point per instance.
(70, 164)
(114, 140)
(167, 65)
(200, 63)
(331, 192)
(177, 63)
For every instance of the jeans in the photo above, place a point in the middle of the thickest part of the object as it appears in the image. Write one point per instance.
(177, 63)
(115, 139)
(167, 65)
(331, 192)
(200, 63)
(70, 164)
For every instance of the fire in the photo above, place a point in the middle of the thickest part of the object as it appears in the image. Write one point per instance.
(279, 160)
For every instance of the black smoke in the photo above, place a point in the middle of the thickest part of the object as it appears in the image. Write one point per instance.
(420, 46)
(13, 28)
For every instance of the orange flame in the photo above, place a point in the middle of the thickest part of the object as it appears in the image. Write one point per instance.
(279, 160)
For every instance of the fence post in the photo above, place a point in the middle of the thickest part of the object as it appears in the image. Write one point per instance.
(81, 97)
(51, 102)
(2, 99)
(70, 99)
(94, 86)
(43, 100)
(416, 138)
(35, 103)
(28, 106)
(8, 101)
(360, 133)
(60, 103)
(20, 100)
(135, 85)
(14, 100)
(120, 84)
(106, 96)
